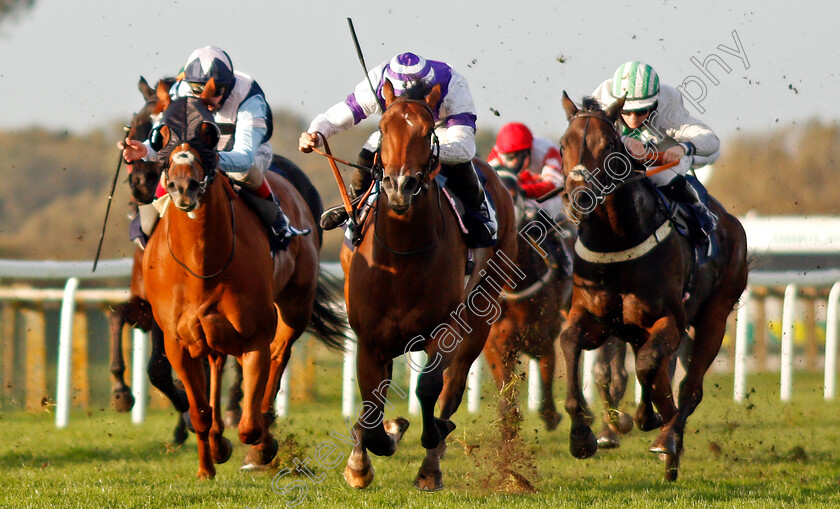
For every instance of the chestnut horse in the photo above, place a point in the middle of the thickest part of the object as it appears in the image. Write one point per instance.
(216, 291)
(631, 273)
(405, 291)
(532, 314)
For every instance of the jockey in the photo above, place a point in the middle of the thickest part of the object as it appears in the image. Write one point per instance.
(455, 117)
(654, 116)
(537, 164)
(240, 110)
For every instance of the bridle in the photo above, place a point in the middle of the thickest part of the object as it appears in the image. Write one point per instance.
(209, 178)
(430, 169)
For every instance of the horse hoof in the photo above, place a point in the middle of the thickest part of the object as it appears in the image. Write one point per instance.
(650, 422)
(179, 436)
(188, 422)
(665, 443)
(397, 427)
(429, 481)
(260, 456)
(583, 444)
(206, 474)
(231, 418)
(608, 439)
(622, 423)
(122, 400)
(358, 479)
(551, 419)
(225, 449)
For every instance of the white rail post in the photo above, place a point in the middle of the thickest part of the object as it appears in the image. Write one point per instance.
(139, 382)
(534, 387)
(741, 329)
(349, 386)
(788, 317)
(65, 350)
(281, 401)
(415, 362)
(589, 389)
(474, 386)
(831, 330)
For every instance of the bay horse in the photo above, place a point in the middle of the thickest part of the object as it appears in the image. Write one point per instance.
(532, 315)
(215, 289)
(635, 278)
(405, 291)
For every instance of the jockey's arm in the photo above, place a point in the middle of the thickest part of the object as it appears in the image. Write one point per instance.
(696, 138)
(457, 116)
(341, 116)
(250, 129)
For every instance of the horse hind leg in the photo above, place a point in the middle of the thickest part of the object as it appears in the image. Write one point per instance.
(121, 397)
(548, 410)
(233, 411)
(708, 336)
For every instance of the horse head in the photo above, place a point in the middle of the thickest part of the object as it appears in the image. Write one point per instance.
(143, 175)
(186, 143)
(594, 160)
(407, 154)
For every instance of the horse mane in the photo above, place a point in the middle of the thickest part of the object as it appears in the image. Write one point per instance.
(415, 91)
(591, 104)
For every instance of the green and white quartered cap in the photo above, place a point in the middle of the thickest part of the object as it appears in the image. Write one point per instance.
(639, 81)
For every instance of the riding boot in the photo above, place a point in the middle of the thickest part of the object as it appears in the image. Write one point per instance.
(462, 179)
(268, 210)
(143, 224)
(335, 216)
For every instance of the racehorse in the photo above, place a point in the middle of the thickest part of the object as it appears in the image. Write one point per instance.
(635, 278)
(215, 290)
(404, 287)
(532, 314)
(143, 179)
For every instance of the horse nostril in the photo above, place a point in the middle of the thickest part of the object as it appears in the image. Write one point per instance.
(192, 186)
(410, 185)
(388, 184)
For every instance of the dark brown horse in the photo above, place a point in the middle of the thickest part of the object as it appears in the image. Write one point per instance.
(533, 313)
(631, 274)
(405, 290)
(216, 291)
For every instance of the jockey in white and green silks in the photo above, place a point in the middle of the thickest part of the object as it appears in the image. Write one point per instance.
(654, 116)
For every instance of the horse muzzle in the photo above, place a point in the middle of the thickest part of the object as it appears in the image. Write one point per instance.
(400, 191)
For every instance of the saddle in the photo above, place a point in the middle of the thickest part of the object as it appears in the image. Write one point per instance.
(689, 220)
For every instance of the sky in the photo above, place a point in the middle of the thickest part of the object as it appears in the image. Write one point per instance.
(75, 65)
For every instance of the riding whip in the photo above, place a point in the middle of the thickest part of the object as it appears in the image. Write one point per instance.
(108, 210)
(362, 61)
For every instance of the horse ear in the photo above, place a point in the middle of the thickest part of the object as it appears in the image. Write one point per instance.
(209, 91)
(144, 88)
(159, 137)
(388, 92)
(569, 106)
(209, 134)
(433, 97)
(615, 108)
(162, 92)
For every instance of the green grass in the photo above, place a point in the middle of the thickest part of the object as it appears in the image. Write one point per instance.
(770, 455)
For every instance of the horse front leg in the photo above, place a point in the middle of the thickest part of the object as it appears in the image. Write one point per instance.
(373, 433)
(500, 358)
(610, 377)
(159, 370)
(220, 447)
(256, 361)
(583, 331)
(548, 411)
(191, 373)
(121, 398)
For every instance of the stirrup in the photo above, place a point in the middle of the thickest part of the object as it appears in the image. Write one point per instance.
(334, 217)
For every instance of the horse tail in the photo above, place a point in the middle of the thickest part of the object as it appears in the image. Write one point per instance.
(292, 172)
(329, 322)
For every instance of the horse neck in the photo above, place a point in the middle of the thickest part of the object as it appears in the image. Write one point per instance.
(205, 239)
(624, 218)
(421, 226)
